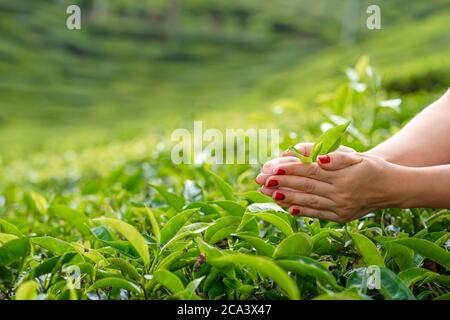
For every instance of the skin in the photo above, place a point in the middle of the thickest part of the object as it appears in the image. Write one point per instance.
(345, 185)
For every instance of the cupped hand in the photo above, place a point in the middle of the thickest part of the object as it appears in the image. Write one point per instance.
(304, 148)
(341, 186)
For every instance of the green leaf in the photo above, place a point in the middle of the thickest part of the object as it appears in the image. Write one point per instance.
(222, 234)
(112, 282)
(27, 291)
(265, 207)
(51, 265)
(309, 267)
(224, 187)
(367, 249)
(403, 256)
(220, 224)
(410, 276)
(169, 280)
(39, 202)
(175, 224)
(208, 250)
(295, 244)
(155, 226)
(131, 234)
(263, 248)
(281, 224)
(232, 207)
(303, 159)
(14, 250)
(75, 218)
(5, 237)
(172, 199)
(125, 267)
(329, 141)
(392, 287)
(53, 245)
(189, 292)
(255, 197)
(10, 228)
(427, 249)
(264, 266)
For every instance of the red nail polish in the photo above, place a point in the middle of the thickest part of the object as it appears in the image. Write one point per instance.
(295, 211)
(280, 172)
(279, 196)
(324, 159)
(272, 183)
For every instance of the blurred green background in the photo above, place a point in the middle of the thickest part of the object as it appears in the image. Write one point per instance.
(144, 68)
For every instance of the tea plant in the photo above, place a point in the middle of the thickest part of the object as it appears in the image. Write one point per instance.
(145, 229)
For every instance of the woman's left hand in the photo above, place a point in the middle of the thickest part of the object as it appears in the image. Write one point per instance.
(339, 187)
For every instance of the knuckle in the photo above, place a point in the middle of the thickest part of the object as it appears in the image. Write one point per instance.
(309, 187)
(312, 170)
(312, 202)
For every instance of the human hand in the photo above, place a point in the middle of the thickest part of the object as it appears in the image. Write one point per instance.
(339, 187)
(304, 148)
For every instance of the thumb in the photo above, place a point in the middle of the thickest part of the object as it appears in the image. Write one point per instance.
(338, 160)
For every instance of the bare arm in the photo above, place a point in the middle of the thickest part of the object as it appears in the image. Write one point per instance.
(425, 141)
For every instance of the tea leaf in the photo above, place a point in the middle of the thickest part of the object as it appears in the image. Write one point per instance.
(264, 266)
(224, 187)
(367, 250)
(172, 199)
(263, 248)
(75, 218)
(295, 244)
(329, 141)
(427, 249)
(131, 234)
(27, 291)
(112, 282)
(169, 280)
(175, 224)
(309, 267)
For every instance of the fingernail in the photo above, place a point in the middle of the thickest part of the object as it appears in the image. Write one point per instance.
(272, 183)
(324, 159)
(279, 196)
(295, 211)
(280, 172)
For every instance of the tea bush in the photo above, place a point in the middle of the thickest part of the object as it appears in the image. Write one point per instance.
(123, 222)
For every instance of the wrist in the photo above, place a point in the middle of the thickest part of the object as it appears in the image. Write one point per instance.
(402, 189)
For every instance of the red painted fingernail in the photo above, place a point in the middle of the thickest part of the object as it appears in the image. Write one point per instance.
(272, 183)
(280, 172)
(279, 196)
(295, 211)
(324, 159)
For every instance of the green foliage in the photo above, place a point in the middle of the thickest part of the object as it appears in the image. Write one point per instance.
(132, 229)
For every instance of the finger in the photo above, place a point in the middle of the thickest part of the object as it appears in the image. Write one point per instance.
(304, 148)
(269, 191)
(262, 178)
(303, 199)
(309, 170)
(269, 165)
(300, 184)
(339, 160)
(314, 213)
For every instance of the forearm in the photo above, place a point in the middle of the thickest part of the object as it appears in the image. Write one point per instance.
(424, 141)
(427, 187)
